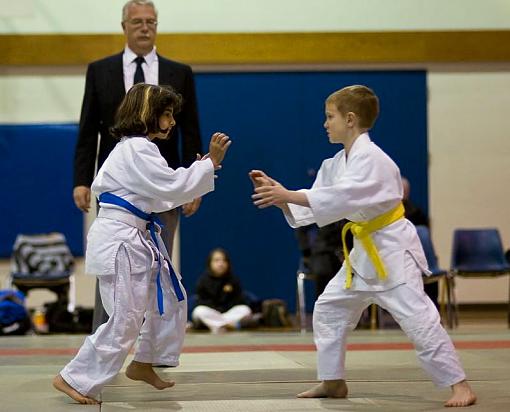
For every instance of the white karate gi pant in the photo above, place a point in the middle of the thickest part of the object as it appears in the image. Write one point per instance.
(338, 310)
(216, 320)
(130, 301)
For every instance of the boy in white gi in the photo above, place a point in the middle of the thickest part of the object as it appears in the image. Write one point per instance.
(362, 184)
(140, 290)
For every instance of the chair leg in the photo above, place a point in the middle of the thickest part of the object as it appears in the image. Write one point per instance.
(373, 316)
(449, 308)
(454, 311)
(301, 308)
(508, 303)
(298, 309)
(443, 311)
(71, 294)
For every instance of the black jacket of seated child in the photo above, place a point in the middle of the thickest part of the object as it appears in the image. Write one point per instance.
(220, 293)
(220, 299)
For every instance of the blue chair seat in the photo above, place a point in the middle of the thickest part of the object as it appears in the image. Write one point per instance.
(476, 270)
(479, 253)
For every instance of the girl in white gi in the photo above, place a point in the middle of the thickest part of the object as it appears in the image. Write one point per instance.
(362, 184)
(140, 290)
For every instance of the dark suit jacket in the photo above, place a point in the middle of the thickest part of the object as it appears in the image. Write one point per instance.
(104, 91)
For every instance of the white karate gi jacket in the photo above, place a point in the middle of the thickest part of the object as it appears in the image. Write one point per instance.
(361, 187)
(136, 171)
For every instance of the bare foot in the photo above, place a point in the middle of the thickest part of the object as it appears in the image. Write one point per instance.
(139, 371)
(232, 327)
(462, 395)
(60, 384)
(219, 331)
(327, 389)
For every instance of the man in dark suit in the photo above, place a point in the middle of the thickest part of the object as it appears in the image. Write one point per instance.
(106, 84)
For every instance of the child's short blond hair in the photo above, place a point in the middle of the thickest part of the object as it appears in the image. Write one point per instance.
(358, 99)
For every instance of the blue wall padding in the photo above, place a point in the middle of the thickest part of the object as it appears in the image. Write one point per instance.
(36, 178)
(276, 123)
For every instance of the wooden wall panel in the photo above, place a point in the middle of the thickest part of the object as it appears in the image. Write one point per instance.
(269, 48)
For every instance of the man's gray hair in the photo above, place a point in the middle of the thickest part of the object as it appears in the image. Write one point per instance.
(138, 2)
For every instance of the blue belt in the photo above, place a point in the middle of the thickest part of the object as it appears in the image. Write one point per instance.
(152, 220)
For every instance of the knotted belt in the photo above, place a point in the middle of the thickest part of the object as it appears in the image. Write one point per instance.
(362, 232)
(152, 221)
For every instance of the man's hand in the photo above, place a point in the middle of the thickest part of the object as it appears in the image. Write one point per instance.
(81, 196)
(189, 209)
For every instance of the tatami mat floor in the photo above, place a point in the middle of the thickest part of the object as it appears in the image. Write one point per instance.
(263, 372)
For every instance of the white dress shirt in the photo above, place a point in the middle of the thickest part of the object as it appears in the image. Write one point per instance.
(150, 67)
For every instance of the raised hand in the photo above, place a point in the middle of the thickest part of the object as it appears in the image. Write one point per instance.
(218, 147)
(274, 195)
(268, 192)
(259, 178)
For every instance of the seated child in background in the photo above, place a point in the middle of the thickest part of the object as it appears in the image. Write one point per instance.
(220, 301)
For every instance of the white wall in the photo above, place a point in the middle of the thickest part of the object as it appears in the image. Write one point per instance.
(469, 145)
(36, 98)
(103, 16)
(468, 137)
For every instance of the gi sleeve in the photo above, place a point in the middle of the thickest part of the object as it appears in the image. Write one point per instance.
(149, 175)
(301, 215)
(362, 186)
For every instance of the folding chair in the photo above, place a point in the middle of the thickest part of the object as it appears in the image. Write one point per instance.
(478, 253)
(438, 275)
(44, 261)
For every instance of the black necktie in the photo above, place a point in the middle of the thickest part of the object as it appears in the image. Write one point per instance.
(139, 76)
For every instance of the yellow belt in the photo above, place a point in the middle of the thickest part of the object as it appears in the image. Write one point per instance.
(362, 231)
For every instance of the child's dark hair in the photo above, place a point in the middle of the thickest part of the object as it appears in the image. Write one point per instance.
(141, 108)
(225, 255)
